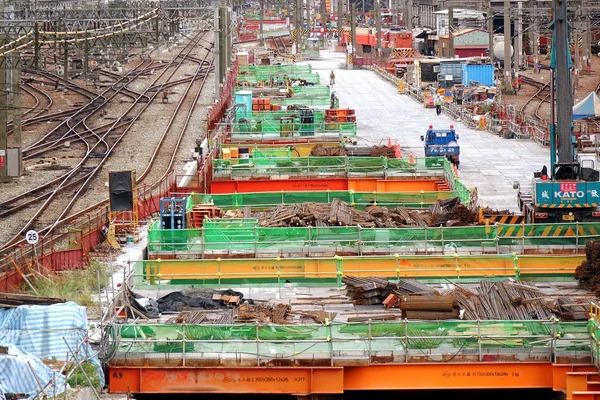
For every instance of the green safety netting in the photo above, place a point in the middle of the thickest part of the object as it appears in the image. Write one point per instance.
(325, 167)
(252, 75)
(460, 336)
(227, 234)
(293, 127)
(356, 199)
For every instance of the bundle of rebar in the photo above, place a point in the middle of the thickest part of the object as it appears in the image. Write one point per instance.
(371, 290)
(506, 300)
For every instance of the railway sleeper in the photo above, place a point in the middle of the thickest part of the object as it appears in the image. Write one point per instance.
(97, 155)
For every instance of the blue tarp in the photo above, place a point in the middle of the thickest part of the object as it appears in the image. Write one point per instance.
(17, 370)
(41, 332)
(588, 107)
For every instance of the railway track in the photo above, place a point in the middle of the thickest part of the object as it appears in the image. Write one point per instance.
(279, 44)
(98, 144)
(541, 96)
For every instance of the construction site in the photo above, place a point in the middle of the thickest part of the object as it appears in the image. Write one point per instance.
(299, 199)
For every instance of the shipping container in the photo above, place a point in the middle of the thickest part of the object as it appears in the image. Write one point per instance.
(483, 74)
(426, 71)
(450, 72)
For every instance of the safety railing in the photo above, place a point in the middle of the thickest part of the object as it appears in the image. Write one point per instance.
(223, 237)
(251, 345)
(380, 167)
(359, 200)
(594, 333)
(295, 128)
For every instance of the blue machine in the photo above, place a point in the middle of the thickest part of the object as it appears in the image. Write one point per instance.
(442, 143)
(172, 213)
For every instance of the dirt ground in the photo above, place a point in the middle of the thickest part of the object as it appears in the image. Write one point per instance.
(588, 82)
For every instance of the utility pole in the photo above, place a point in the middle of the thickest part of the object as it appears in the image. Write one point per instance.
(507, 56)
(340, 13)
(323, 21)
(3, 115)
(217, 55)
(408, 22)
(66, 60)
(262, 16)
(450, 31)
(378, 25)
(352, 36)
(298, 25)
(16, 99)
(490, 25)
(519, 36)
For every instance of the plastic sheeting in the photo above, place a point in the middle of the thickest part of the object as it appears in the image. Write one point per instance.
(39, 331)
(17, 370)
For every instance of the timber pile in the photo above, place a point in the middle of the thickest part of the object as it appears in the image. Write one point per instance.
(588, 273)
(571, 308)
(374, 151)
(366, 291)
(9, 300)
(339, 213)
(275, 313)
(451, 213)
(505, 300)
(322, 151)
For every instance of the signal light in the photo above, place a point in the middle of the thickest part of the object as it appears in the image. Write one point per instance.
(541, 215)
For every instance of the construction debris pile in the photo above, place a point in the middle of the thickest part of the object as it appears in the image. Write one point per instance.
(322, 151)
(588, 273)
(184, 300)
(339, 213)
(505, 300)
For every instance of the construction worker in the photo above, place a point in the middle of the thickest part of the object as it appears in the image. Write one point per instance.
(519, 82)
(332, 78)
(437, 101)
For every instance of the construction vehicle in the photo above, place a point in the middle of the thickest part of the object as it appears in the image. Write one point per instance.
(442, 143)
(570, 191)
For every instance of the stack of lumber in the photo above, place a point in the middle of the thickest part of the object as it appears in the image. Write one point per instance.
(429, 307)
(371, 290)
(412, 286)
(322, 151)
(374, 151)
(572, 308)
(451, 213)
(338, 213)
(505, 300)
(275, 313)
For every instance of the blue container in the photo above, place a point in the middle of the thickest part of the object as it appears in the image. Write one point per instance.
(480, 73)
(243, 105)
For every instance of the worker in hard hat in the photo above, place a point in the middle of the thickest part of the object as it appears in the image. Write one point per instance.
(437, 101)
(331, 78)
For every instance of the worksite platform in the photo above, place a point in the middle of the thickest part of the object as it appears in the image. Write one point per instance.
(322, 310)
(488, 162)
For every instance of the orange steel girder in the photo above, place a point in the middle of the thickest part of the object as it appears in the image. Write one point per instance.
(572, 379)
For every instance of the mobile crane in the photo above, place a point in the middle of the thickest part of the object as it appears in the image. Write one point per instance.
(569, 192)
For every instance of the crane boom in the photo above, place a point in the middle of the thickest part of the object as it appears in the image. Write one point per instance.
(564, 93)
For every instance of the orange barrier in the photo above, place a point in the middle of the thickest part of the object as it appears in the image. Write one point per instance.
(329, 380)
(295, 185)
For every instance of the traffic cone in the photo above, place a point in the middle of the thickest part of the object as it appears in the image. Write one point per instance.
(397, 150)
(411, 158)
(389, 145)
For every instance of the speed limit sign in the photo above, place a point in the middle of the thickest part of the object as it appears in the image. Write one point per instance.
(32, 237)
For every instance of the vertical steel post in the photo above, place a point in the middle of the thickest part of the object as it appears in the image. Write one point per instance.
(450, 32)
(3, 115)
(507, 37)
